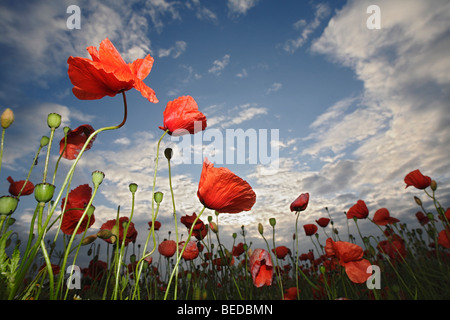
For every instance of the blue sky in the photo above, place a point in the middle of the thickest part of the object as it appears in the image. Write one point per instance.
(356, 109)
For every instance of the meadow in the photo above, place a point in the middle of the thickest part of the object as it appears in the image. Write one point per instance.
(396, 263)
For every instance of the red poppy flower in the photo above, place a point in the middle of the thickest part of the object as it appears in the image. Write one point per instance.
(261, 268)
(444, 238)
(382, 217)
(181, 116)
(323, 222)
(238, 249)
(291, 293)
(417, 179)
(350, 256)
(75, 141)
(394, 248)
(221, 190)
(16, 186)
(55, 268)
(358, 210)
(191, 252)
(111, 225)
(167, 248)
(310, 229)
(300, 203)
(97, 269)
(157, 225)
(107, 74)
(422, 218)
(281, 251)
(200, 230)
(76, 204)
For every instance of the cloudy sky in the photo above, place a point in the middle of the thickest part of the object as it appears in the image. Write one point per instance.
(354, 109)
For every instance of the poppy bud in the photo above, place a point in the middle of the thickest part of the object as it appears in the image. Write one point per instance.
(272, 222)
(234, 235)
(418, 201)
(8, 205)
(158, 197)
(133, 187)
(104, 234)
(214, 227)
(7, 118)
(88, 240)
(44, 141)
(168, 153)
(433, 185)
(90, 211)
(97, 177)
(133, 258)
(54, 120)
(43, 192)
(260, 228)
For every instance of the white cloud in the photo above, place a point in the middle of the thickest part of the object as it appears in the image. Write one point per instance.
(321, 12)
(242, 74)
(274, 87)
(400, 122)
(235, 116)
(241, 6)
(219, 65)
(30, 125)
(175, 51)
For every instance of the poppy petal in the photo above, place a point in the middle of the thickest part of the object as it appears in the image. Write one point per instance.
(357, 270)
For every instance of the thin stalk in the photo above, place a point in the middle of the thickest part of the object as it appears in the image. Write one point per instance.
(21, 274)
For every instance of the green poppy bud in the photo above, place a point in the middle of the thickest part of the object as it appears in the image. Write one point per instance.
(43, 192)
(133, 187)
(54, 120)
(44, 141)
(260, 228)
(272, 222)
(168, 153)
(158, 197)
(97, 177)
(104, 234)
(433, 185)
(90, 211)
(88, 240)
(7, 118)
(8, 205)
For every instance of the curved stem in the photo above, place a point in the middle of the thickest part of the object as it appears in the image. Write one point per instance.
(181, 254)
(21, 273)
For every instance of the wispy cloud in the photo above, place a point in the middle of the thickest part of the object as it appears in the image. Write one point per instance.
(321, 12)
(274, 87)
(240, 7)
(219, 65)
(174, 51)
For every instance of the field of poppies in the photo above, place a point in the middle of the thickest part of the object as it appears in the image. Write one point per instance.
(397, 263)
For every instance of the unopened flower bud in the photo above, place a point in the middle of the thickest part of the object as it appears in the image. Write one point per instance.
(158, 197)
(214, 227)
(90, 211)
(133, 187)
(418, 201)
(260, 228)
(433, 185)
(88, 240)
(272, 222)
(168, 153)
(43, 192)
(44, 141)
(97, 177)
(8, 205)
(104, 234)
(54, 120)
(7, 118)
